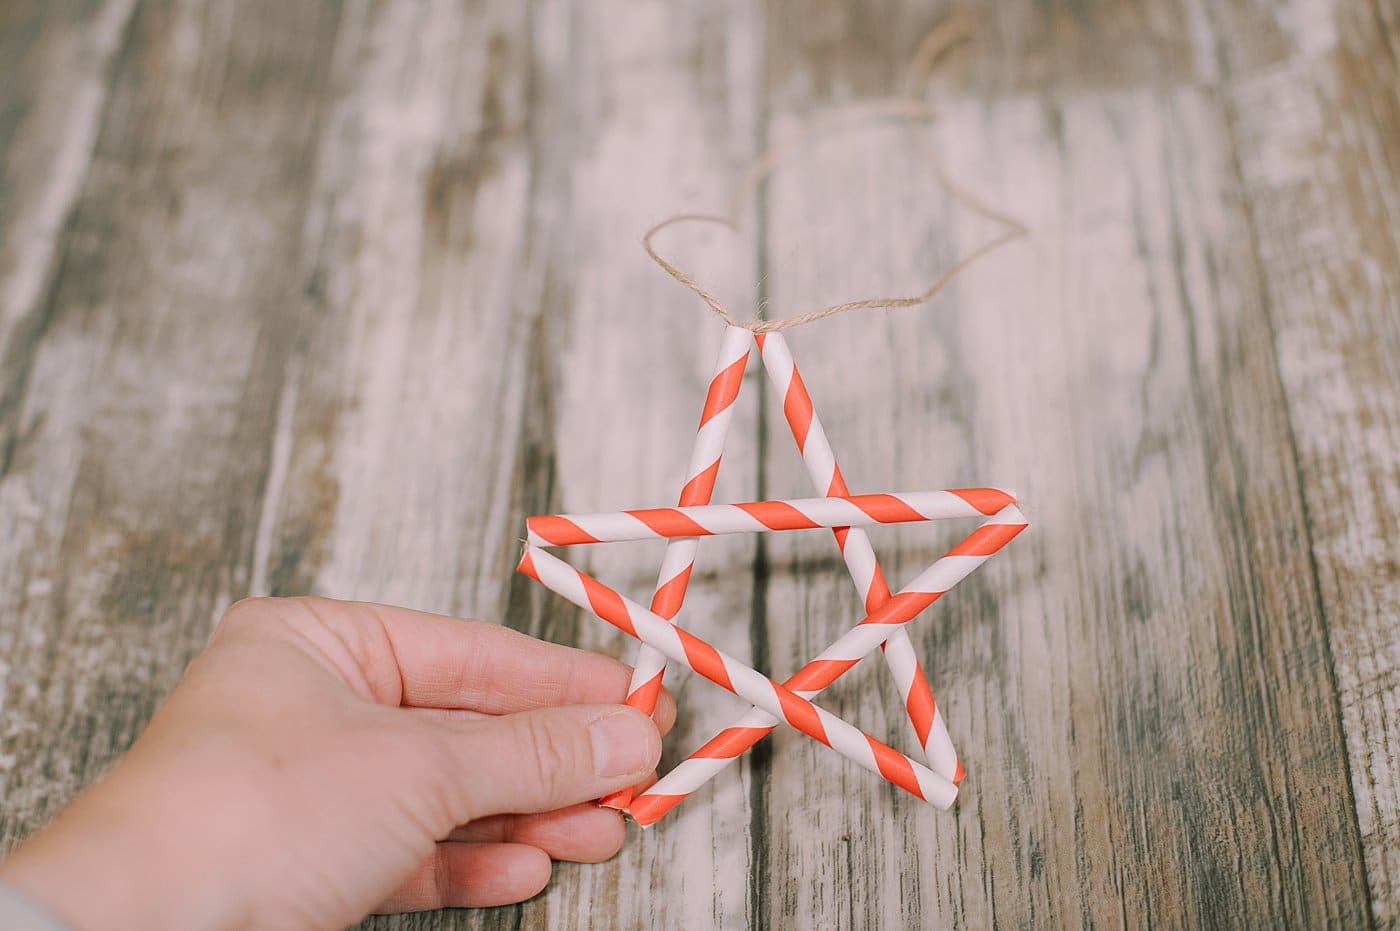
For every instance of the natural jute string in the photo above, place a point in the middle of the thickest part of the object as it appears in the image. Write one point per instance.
(907, 107)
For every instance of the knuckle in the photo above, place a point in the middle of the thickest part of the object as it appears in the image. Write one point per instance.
(261, 615)
(244, 614)
(298, 609)
(556, 755)
(257, 611)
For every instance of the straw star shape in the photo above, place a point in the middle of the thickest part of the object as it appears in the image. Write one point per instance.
(846, 515)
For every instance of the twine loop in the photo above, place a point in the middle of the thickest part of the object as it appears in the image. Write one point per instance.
(906, 107)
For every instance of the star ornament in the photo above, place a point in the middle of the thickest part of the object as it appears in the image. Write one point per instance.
(935, 778)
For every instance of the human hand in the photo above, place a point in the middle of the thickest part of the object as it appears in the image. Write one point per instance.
(322, 759)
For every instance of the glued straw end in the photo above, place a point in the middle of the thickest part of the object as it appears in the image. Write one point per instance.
(627, 813)
(619, 800)
(645, 824)
(648, 809)
(527, 566)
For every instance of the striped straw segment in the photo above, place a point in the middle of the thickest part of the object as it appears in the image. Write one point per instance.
(899, 609)
(699, 486)
(761, 516)
(900, 658)
(782, 703)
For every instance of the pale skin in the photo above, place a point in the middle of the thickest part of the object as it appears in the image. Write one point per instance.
(322, 759)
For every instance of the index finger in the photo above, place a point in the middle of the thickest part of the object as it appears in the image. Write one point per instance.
(445, 662)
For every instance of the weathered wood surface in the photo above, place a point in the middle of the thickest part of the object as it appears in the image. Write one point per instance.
(328, 297)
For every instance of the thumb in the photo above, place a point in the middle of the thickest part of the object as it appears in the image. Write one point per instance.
(554, 757)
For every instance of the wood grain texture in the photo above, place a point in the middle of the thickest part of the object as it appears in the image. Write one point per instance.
(328, 297)
(136, 408)
(1322, 183)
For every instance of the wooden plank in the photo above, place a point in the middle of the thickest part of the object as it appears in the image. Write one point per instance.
(1137, 683)
(327, 298)
(401, 425)
(649, 119)
(53, 63)
(134, 429)
(395, 465)
(1315, 140)
(46, 142)
(476, 238)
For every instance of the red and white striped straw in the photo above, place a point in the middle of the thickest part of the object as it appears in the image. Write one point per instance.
(875, 629)
(762, 516)
(900, 656)
(778, 701)
(699, 486)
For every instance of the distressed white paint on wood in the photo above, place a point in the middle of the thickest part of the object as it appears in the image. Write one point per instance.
(1317, 148)
(423, 314)
(47, 148)
(48, 156)
(662, 113)
(128, 426)
(431, 280)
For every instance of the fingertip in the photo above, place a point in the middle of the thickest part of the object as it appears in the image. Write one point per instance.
(472, 875)
(651, 732)
(606, 831)
(549, 758)
(534, 868)
(499, 874)
(665, 716)
(626, 744)
(583, 833)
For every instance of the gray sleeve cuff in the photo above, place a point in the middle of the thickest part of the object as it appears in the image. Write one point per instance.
(18, 912)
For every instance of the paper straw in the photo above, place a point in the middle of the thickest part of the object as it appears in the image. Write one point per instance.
(865, 572)
(727, 672)
(699, 486)
(760, 516)
(901, 608)
(900, 657)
